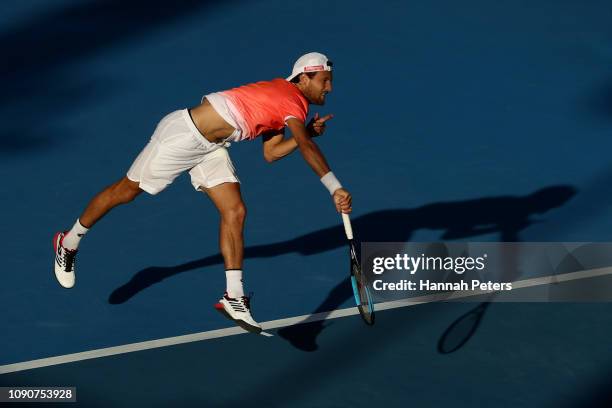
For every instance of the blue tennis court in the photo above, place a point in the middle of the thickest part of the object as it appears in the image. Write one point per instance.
(479, 121)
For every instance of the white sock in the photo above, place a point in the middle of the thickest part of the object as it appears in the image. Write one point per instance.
(73, 237)
(234, 283)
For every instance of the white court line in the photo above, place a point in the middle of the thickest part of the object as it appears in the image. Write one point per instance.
(274, 324)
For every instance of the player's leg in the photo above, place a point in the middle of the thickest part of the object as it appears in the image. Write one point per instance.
(234, 304)
(228, 200)
(216, 176)
(121, 192)
(66, 243)
(173, 149)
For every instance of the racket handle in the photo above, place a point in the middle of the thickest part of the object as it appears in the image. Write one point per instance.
(348, 229)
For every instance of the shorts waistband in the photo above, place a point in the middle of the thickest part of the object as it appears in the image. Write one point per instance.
(196, 132)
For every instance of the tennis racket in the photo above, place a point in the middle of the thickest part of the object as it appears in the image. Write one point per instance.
(363, 299)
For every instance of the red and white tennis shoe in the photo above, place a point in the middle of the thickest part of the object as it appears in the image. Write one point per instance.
(238, 310)
(64, 262)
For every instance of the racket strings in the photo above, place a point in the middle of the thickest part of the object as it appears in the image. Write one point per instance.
(362, 287)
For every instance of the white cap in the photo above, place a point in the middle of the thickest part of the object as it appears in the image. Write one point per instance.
(311, 62)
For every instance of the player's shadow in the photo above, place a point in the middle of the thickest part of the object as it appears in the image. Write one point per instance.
(41, 73)
(506, 215)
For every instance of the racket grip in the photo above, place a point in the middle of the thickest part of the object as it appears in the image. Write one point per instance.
(348, 229)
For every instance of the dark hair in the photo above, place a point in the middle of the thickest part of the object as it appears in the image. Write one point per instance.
(297, 78)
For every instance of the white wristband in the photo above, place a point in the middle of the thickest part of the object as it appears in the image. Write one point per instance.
(331, 182)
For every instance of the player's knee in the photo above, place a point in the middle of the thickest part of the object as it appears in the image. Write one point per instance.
(126, 190)
(235, 214)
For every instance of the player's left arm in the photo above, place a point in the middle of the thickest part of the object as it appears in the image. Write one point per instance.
(276, 146)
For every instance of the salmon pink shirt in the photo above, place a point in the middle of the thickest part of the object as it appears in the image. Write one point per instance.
(260, 107)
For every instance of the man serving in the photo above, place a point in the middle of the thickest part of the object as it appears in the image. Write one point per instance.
(196, 140)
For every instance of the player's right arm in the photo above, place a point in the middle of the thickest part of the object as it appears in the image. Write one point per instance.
(309, 149)
(315, 159)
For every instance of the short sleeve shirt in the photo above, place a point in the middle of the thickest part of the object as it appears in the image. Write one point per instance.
(265, 106)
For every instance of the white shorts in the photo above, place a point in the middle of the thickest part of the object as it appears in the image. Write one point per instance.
(175, 147)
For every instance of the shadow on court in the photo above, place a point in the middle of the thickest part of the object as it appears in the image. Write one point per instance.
(506, 215)
(38, 72)
(463, 328)
(513, 216)
(600, 102)
(587, 206)
(598, 393)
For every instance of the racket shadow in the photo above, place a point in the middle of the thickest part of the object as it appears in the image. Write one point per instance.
(462, 329)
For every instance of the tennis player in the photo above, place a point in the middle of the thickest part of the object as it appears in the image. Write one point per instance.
(196, 140)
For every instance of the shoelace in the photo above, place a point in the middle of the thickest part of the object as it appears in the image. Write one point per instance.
(237, 305)
(247, 300)
(68, 259)
(243, 304)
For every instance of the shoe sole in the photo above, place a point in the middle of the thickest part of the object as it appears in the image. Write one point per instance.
(251, 329)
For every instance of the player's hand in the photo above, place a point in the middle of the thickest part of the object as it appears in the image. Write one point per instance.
(343, 200)
(316, 126)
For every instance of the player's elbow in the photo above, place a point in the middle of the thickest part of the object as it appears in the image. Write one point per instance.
(269, 157)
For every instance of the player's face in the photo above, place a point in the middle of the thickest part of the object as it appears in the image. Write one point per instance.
(318, 87)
